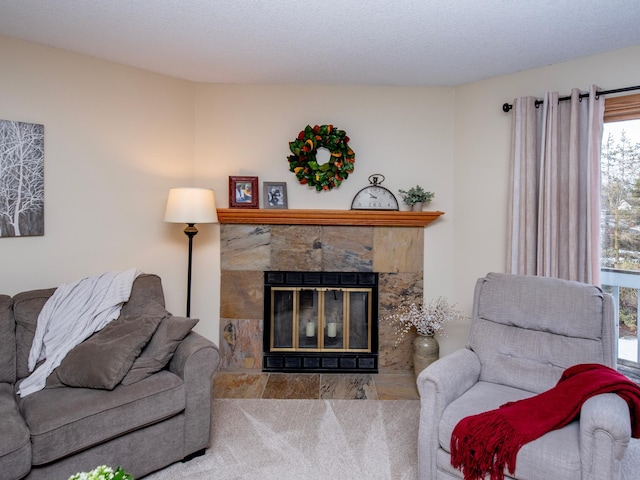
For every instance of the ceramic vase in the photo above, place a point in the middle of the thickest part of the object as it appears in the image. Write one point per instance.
(417, 207)
(426, 350)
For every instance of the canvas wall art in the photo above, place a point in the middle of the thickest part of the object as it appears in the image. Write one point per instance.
(21, 179)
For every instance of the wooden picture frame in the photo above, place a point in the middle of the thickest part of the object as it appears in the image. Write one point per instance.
(275, 195)
(243, 192)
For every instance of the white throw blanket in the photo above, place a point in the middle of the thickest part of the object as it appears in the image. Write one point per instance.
(71, 315)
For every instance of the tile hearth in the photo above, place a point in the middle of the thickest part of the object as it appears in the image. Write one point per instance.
(254, 384)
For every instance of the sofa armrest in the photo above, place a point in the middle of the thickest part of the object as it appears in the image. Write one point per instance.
(439, 384)
(196, 360)
(605, 432)
(189, 346)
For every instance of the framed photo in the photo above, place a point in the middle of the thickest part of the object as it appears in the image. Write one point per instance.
(243, 192)
(275, 194)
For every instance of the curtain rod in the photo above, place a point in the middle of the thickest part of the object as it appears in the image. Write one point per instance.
(507, 106)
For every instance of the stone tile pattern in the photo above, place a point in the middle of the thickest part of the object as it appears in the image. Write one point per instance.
(357, 387)
(244, 384)
(246, 251)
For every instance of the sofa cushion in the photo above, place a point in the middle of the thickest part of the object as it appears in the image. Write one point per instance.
(146, 288)
(66, 420)
(15, 445)
(558, 448)
(7, 341)
(104, 359)
(163, 343)
(26, 308)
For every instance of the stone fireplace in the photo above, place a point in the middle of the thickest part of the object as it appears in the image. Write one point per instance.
(250, 248)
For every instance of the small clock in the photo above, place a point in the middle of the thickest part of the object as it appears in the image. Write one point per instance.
(375, 196)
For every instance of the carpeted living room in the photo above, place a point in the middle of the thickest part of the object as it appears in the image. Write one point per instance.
(276, 330)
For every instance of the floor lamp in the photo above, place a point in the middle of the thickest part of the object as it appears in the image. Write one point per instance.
(190, 206)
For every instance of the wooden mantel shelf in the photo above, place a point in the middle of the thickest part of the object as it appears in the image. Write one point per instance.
(327, 217)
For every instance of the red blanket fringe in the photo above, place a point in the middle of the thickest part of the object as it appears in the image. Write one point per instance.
(487, 443)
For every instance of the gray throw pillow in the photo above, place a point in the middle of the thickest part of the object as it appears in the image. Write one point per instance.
(160, 349)
(104, 359)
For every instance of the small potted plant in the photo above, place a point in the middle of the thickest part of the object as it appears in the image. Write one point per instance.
(416, 197)
(102, 473)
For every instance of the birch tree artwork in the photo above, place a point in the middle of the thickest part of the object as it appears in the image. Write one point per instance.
(21, 179)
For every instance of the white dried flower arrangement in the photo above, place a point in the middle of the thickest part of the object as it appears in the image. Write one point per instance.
(426, 318)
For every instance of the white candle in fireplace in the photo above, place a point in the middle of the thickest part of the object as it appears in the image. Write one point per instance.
(331, 329)
(311, 329)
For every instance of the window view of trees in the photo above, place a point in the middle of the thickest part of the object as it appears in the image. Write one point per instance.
(620, 169)
(21, 179)
(621, 195)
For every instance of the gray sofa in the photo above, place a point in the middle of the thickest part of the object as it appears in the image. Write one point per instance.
(143, 426)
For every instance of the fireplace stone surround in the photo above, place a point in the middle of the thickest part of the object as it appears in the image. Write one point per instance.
(248, 250)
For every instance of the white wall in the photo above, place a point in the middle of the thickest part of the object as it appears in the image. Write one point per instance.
(117, 138)
(406, 134)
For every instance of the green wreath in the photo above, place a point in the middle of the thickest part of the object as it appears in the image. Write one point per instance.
(304, 164)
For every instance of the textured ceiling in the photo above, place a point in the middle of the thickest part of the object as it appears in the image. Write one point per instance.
(347, 42)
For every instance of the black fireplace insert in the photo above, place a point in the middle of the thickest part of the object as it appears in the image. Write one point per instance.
(323, 322)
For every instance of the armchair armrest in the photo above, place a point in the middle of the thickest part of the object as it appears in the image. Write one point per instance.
(439, 384)
(449, 377)
(605, 431)
(196, 360)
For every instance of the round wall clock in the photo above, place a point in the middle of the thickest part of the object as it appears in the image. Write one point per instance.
(374, 196)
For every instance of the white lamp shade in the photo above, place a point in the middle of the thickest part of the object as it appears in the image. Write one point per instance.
(191, 205)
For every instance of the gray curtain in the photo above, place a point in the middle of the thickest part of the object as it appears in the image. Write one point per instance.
(554, 199)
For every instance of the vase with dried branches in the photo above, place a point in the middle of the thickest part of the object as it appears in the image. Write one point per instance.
(426, 319)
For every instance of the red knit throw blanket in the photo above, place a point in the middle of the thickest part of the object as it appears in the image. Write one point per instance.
(485, 443)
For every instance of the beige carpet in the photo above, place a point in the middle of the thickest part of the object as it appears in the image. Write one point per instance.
(307, 439)
(317, 440)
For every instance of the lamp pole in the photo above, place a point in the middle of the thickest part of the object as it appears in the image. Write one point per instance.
(190, 231)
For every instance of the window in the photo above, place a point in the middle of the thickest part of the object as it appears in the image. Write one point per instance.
(620, 219)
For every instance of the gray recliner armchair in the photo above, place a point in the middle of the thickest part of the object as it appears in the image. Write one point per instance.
(525, 331)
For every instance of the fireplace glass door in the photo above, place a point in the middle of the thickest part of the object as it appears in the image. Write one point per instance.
(321, 319)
